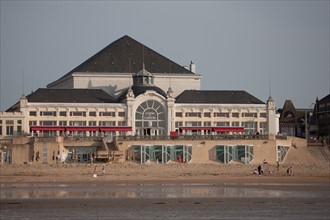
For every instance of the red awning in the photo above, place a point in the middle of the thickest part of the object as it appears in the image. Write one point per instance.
(115, 128)
(228, 129)
(195, 128)
(173, 133)
(81, 128)
(46, 128)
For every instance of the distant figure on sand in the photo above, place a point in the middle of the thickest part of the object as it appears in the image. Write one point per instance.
(103, 170)
(95, 169)
(277, 166)
(260, 170)
(289, 171)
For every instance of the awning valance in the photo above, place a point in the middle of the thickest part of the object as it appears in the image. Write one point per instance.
(173, 133)
(120, 128)
(46, 128)
(228, 129)
(78, 128)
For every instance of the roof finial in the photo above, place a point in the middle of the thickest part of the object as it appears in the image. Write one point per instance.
(143, 67)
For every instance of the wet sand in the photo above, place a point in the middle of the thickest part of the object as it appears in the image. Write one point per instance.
(165, 201)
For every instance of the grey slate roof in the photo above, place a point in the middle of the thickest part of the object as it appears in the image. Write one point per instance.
(71, 96)
(126, 55)
(217, 97)
(140, 89)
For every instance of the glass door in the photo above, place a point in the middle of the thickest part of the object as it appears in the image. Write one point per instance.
(187, 151)
(166, 154)
(145, 154)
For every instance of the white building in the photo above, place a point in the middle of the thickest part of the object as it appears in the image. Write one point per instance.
(128, 89)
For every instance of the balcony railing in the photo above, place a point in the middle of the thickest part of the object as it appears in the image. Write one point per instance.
(193, 137)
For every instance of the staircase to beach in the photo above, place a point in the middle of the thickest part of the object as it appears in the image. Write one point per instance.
(110, 152)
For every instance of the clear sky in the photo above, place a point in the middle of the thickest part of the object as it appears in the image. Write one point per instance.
(264, 47)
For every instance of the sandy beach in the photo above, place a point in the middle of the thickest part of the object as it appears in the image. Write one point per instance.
(162, 173)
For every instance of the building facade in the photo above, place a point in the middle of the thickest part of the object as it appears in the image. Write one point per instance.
(129, 90)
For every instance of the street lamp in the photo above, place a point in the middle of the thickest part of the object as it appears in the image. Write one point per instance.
(315, 107)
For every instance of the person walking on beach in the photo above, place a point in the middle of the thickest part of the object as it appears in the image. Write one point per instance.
(260, 170)
(103, 170)
(289, 171)
(277, 166)
(95, 169)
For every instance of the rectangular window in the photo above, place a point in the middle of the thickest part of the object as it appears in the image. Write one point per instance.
(19, 130)
(9, 122)
(121, 114)
(193, 124)
(250, 127)
(0, 122)
(207, 123)
(44, 155)
(0, 130)
(249, 115)
(121, 123)
(221, 114)
(138, 124)
(32, 123)
(92, 123)
(33, 113)
(107, 114)
(193, 114)
(77, 123)
(62, 123)
(107, 123)
(19, 122)
(82, 114)
(178, 114)
(48, 113)
(92, 114)
(178, 124)
(263, 127)
(207, 114)
(263, 115)
(235, 124)
(48, 123)
(9, 130)
(221, 124)
(235, 115)
(62, 113)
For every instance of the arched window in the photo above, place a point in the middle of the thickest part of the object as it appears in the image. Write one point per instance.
(150, 115)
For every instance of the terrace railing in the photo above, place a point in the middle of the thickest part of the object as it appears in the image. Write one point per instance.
(193, 137)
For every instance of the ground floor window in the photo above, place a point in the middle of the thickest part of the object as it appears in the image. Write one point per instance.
(10, 130)
(81, 154)
(160, 153)
(281, 152)
(239, 153)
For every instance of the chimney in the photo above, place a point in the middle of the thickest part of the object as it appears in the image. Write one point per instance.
(192, 67)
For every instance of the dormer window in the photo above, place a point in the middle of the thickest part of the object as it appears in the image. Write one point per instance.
(143, 78)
